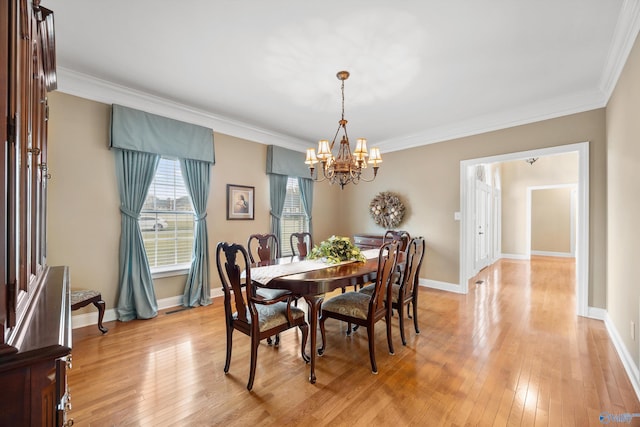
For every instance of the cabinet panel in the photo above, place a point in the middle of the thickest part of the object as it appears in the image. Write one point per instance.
(368, 241)
(34, 299)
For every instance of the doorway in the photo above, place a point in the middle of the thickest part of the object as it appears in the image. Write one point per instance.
(551, 220)
(468, 226)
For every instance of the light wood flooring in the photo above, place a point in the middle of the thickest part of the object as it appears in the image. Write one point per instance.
(510, 352)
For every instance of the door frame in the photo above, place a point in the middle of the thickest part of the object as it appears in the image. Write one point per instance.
(466, 270)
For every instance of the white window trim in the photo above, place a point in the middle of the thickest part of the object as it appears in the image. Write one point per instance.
(170, 271)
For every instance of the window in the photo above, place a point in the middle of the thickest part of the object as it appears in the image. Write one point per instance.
(293, 219)
(167, 220)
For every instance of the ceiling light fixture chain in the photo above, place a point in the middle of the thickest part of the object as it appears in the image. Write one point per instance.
(345, 167)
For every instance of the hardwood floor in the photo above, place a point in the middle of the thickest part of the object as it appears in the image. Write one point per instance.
(511, 352)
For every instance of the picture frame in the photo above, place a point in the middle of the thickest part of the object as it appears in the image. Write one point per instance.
(240, 202)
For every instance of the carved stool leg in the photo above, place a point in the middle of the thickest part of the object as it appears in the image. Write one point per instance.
(100, 305)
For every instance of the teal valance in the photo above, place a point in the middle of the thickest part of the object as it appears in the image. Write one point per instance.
(137, 130)
(283, 161)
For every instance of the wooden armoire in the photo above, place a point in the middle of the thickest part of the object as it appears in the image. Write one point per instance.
(35, 336)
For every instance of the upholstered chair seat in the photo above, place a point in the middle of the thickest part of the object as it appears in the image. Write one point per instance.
(268, 293)
(395, 291)
(353, 304)
(272, 316)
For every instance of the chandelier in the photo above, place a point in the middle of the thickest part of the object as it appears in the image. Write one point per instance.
(345, 167)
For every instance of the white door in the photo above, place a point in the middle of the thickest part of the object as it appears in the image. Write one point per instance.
(496, 215)
(483, 235)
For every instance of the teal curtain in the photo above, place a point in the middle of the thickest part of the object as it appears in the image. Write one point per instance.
(283, 161)
(136, 130)
(137, 299)
(306, 194)
(197, 178)
(277, 193)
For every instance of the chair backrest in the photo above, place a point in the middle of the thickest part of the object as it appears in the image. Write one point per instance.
(268, 246)
(301, 243)
(230, 275)
(387, 259)
(415, 256)
(400, 235)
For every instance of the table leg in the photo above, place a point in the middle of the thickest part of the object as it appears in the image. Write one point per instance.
(314, 302)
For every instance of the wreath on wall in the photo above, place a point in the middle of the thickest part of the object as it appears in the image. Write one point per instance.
(387, 210)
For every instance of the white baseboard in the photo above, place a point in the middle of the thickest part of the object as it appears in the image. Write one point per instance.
(627, 361)
(556, 254)
(523, 257)
(443, 286)
(88, 319)
(596, 313)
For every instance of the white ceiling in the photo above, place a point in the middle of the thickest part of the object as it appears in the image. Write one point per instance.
(422, 71)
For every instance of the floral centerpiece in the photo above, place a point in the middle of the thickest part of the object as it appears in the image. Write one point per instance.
(337, 249)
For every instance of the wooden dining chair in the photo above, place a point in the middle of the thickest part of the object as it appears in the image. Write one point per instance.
(257, 317)
(400, 235)
(268, 246)
(301, 243)
(405, 292)
(363, 309)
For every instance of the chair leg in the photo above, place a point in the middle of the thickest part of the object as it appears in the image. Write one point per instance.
(100, 305)
(254, 356)
(372, 348)
(401, 322)
(389, 338)
(304, 328)
(227, 361)
(277, 341)
(415, 313)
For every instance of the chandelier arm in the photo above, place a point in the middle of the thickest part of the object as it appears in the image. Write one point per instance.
(375, 173)
(319, 178)
(329, 175)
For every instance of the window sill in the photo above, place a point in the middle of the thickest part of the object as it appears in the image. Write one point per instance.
(174, 270)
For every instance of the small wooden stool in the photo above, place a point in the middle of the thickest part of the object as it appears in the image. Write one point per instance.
(82, 297)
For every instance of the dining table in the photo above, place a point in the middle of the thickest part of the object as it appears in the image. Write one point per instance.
(311, 280)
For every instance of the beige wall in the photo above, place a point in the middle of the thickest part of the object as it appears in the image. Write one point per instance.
(428, 180)
(623, 186)
(84, 216)
(517, 177)
(551, 220)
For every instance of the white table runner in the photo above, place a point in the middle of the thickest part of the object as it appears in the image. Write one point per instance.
(263, 275)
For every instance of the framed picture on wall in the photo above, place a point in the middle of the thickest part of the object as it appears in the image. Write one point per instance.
(240, 202)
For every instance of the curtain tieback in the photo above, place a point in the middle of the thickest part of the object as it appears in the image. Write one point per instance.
(129, 212)
(274, 215)
(201, 217)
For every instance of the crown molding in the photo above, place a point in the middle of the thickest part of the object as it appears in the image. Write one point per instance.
(625, 34)
(627, 28)
(89, 87)
(551, 109)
